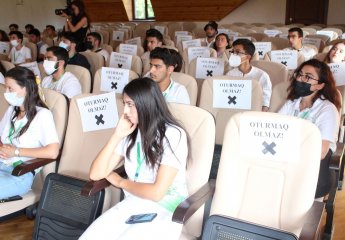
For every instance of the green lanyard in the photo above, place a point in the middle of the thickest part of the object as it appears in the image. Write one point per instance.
(139, 161)
(11, 132)
(304, 115)
(167, 91)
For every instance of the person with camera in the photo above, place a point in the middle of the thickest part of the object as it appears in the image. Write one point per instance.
(77, 22)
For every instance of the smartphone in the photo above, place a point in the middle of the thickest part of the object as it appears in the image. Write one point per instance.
(140, 218)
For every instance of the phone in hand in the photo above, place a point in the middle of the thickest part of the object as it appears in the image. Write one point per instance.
(140, 218)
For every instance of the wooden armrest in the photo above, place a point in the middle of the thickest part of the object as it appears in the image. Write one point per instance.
(31, 165)
(92, 187)
(190, 205)
(312, 222)
(337, 157)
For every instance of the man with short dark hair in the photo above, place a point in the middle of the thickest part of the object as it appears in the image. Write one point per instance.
(211, 30)
(153, 39)
(54, 65)
(28, 28)
(295, 37)
(242, 54)
(13, 27)
(93, 44)
(35, 37)
(162, 65)
(19, 53)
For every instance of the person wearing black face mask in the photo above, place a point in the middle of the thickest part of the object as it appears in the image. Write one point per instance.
(312, 95)
(93, 44)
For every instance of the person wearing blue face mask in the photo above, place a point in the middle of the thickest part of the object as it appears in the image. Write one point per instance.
(58, 79)
(312, 95)
(27, 131)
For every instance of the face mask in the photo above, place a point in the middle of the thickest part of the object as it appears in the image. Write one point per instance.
(234, 60)
(14, 43)
(89, 45)
(64, 45)
(50, 67)
(302, 89)
(13, 99)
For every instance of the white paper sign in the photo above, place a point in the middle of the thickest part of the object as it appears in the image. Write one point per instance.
(183, 38)
(120, 60)
(114, 79)
(312, 41)
(284, 35)
(338, 70)
(4, 48)
(181, 33)
(242, 37)
(33, 66)
(209, 67)
(98, 112)
(134, 41)
(285, 57)
(232, 94)
(128, 49)
(268, 139)
(262, 48)
(118, 36)
(223, 30)
(272, 32)
(191, 43)
(330, 34)
(161, 29)
(343, 36)
(232, 35)
(194, 52)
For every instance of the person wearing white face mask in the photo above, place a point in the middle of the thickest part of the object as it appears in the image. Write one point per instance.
(19, 53)
(27, 131)
(243, 51)
(54, 65)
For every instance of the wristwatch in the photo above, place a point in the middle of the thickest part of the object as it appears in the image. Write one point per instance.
(16, 152)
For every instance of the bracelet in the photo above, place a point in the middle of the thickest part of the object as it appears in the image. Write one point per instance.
(16, 152)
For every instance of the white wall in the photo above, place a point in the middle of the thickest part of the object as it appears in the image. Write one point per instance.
(37, 12)
(336, 12)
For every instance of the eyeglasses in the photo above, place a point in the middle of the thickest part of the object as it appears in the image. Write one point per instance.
(305, 77)
(238, 52)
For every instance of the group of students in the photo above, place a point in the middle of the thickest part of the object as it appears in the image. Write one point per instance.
(150, 140)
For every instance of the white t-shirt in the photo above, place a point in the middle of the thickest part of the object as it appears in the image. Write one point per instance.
(20, 56)
(2, 78)
(323, 114)
(40, 133)
(306, 51)
(176, 93)
(174, 156)
(263, 79)
(204, 42)
(104, 53)
(68, 84)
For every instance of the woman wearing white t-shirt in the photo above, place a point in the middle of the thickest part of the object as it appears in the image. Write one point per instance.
(155, 149)
(27, 131)
(313, 96)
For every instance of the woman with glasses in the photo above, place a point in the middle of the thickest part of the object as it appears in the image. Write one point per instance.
(312, 95)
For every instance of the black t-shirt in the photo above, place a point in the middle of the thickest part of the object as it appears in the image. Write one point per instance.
(79, 60)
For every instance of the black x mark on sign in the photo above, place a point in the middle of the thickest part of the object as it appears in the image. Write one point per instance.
(284, 62)
(99, 119)
(232, 100)
(209, 73)
(269, 148)
(118, 37)
(261, 53)
(113, 85)
(119, 65)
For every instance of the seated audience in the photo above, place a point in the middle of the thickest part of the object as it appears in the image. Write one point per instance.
(54, 65)
(13, 27)
(242, 54)
(162, 65)
(295, 37)
(221, 44)
(155, 149)
(93, 44)
(19, 53)
(312, 95)
(211, 30)
(35, 37)
(336, 54)
(27, 131)
(3, 36)
(153, 39)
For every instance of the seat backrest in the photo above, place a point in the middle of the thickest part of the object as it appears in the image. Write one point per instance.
(33, 49)
(4, 57)
(137, 65)
(320, 56)
(222, 115)
(96, 61)
(199, 124)
(97, 80)
(324, 38)
(7, 65)
(105, 36)
(186, 60)
(83, 75)
(257, 36)
(189, 82)
(262, 175)
(277, 42)
(279, 96)
(3, 103)
(276, 71)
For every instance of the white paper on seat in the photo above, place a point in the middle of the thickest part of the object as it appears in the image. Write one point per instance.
(118, 35)
(262, 48)
(283, 35)
(343, 36)
(223, 30)
(161, 29)
(209, 67)
(181, 33)
(134, 41)
(312, 41)
(272, 32)
(330, 34)
(194, 52)
(98, 112)
(183, 38)
(33, 66)
(232, 94)
(242, 37)
(114, 79)
(338, 70)
(191, 43)
(129, 49)
(285, 57)
(262, 138)
(120, 60)
(4, 48)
